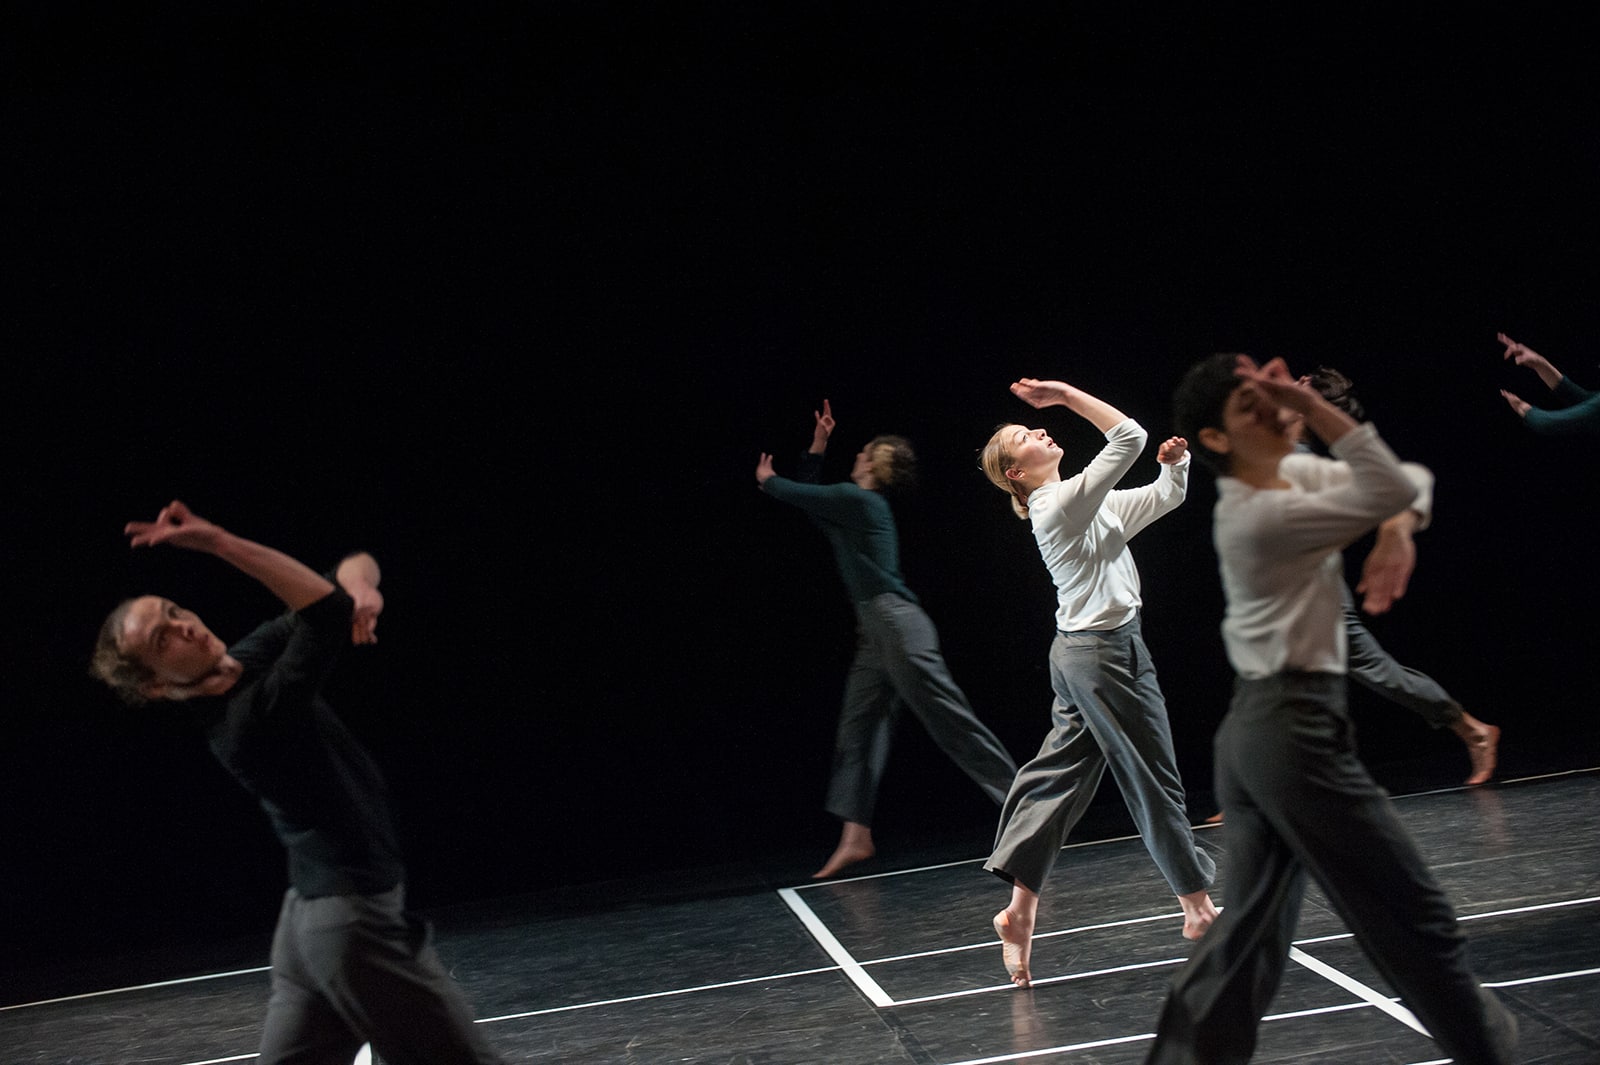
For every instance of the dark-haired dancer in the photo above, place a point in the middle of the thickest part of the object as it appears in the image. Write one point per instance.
(1385, 575)
(1298, 799)
(897, 660)
(1108, 709)
(349, 964)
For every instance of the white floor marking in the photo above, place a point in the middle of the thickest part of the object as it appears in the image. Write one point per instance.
(1085, 975)
(659, 994)
(835, 950)
(138, 987)
(1025, 1054)
(1358, 989)
(965, 861)
(1543, 979)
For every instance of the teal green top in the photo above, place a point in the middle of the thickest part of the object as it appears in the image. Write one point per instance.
(859, 525)
(1581, 416)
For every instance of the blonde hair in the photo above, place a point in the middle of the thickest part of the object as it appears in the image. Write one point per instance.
(995, 459)
(894, 463)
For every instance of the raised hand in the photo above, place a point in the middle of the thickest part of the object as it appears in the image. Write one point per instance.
(1037, 393)
(1517, 403)
(176, 525)
(824, 428)
(1277, 385)
(764, 468)
(1519, 353)
(1172, 450)
(1522, 355)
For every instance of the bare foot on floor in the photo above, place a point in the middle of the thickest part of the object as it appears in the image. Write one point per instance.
(1016, 945)
(1198, 914)
(1483, 748)
(843, 855)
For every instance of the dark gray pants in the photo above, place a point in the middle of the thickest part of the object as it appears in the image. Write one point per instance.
(354, 969)
(1108, 711)
(1376, 670)
(898, 663)
(1299, 801)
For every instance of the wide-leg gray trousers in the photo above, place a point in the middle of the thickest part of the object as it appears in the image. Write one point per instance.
(354, 969)
(1108, 712)
(1376, 669)
(898, 663)
(1300, 801)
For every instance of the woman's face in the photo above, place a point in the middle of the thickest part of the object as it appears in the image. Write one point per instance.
(1032, 450)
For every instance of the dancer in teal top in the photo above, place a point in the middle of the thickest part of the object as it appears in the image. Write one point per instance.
(897, 661)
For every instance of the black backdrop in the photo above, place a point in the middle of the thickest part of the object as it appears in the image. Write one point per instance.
(513, 297)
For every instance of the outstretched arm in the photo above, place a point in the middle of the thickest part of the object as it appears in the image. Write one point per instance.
(297, 584)
(1037, 393)
(1523, 355)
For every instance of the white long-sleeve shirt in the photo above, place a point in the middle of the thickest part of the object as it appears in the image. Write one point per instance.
(1280, 550)
(1082, 526)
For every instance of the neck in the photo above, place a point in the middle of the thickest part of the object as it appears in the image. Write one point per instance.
(1258, 473)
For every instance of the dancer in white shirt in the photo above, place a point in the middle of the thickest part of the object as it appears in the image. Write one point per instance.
(1297, 797)
(1108, 709)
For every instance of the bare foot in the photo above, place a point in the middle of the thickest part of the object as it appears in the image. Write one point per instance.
(1016, 945)
(1198, 913)
(855, 845)
(1483, 747)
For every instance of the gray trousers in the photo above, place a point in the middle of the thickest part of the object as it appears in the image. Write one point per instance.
(354, 969)
(1108, 711)
(1376, 669)
(898, 664)
(1299, 801)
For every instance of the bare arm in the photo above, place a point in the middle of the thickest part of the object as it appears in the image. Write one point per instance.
(295, 583)
(1523, 355)
(1037, 393)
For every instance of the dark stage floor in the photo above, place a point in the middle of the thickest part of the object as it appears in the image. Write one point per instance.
(757, 967)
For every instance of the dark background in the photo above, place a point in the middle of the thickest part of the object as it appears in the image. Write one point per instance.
(513, 297)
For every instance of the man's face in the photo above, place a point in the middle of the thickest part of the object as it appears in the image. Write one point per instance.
(1256, 427)
(171, 641)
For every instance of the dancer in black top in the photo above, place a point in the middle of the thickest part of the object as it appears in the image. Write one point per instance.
(349, 964)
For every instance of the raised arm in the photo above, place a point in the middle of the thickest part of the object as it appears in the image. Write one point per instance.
(1037, 393)
(295, 583)
(1523, 355)
(1296, 396)
(823, 430)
